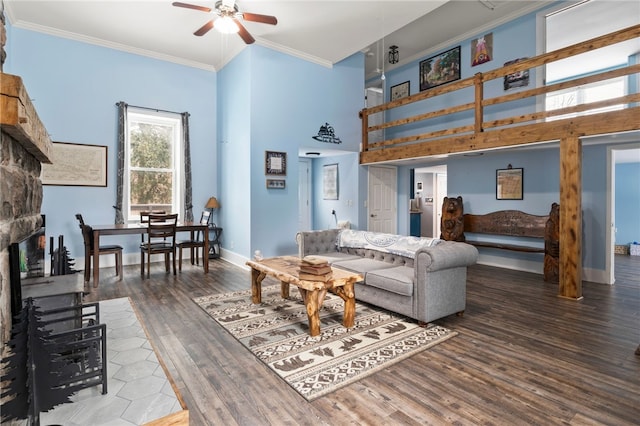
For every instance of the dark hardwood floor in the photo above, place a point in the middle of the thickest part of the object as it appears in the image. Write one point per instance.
(523, 356)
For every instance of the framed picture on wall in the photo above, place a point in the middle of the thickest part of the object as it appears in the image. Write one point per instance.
(275, 163)
(400, 91)
(518, 78)
(76, 165)
(440, 69)
(276, 183)
(509, 184)
(330, 184)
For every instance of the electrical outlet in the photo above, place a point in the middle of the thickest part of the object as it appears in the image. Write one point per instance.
(333, 212)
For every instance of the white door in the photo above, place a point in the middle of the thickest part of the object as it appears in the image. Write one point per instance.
(441, 192)
(304, 189)
(382, 201)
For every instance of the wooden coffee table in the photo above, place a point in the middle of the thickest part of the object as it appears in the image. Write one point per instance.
(285, 269)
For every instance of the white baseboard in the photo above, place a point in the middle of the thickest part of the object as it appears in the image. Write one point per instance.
(514, 264)
(132, 258)
(588, 274)
(234, 258)
(599, 276)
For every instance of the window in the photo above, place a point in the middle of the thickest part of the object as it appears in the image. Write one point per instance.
(573, 23)
(153, 163)
(595, 92)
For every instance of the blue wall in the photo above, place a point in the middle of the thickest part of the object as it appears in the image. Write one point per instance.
(75, 86)
(627, 194)
(234, 138)
(347, 204)
(262, 100)
(282, 102)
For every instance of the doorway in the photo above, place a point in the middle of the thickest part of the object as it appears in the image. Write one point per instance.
(430, 189)
(620, 154)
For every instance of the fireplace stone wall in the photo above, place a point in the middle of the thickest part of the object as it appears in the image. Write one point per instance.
(24, 146)
(20, 203)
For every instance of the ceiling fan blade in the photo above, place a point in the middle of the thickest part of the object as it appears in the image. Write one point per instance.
(243, 33)
(191, 6)
(263, 19)
(204, 29)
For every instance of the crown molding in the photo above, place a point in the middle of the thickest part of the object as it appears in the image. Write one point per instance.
(111, 45)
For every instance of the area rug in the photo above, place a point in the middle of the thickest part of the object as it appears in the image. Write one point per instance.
(277, 332)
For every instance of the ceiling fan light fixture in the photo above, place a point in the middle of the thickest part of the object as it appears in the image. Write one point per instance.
(226, 25)
(228, 19)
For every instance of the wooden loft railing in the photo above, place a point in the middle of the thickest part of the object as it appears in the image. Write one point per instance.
(479, 133)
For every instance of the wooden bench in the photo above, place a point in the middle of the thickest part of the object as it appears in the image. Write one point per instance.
(514, 223)
(511, 223)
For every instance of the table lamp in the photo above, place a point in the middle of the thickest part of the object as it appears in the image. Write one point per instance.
(212, 204)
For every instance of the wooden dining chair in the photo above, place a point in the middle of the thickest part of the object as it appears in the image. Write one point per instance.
(87, 236)
(194, 244)
(160, 238)
(144, 220)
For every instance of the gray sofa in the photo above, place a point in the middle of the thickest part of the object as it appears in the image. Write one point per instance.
(421, 278)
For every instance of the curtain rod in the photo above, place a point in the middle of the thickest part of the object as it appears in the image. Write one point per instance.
(151, 109)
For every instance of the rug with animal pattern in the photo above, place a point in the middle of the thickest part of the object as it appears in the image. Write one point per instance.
(277, 332)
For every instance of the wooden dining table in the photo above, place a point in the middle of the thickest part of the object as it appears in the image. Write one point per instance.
(138, 228)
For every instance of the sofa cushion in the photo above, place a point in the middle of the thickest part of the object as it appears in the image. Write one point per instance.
(397, 280)
(362, 265)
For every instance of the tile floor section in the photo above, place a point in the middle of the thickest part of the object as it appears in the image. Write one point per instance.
(138, 389)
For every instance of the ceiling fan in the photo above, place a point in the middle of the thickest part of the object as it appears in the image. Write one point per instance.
(228, 19)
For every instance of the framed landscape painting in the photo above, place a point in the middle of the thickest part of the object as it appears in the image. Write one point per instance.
(440, 69)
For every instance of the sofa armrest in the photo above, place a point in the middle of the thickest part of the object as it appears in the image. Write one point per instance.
(441, 279)
(317, 242)
(445, 255)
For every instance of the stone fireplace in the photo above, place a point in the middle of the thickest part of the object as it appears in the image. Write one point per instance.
(25, 145)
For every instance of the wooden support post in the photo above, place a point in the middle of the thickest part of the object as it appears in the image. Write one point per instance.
(364, 116)
(479, 94)
(570, 217)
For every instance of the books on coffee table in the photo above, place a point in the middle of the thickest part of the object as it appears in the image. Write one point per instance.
(312, 277)
(313, 268)
(314, 260)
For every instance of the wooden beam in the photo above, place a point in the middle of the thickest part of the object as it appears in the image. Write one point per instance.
(571, 217)
(18, 117)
